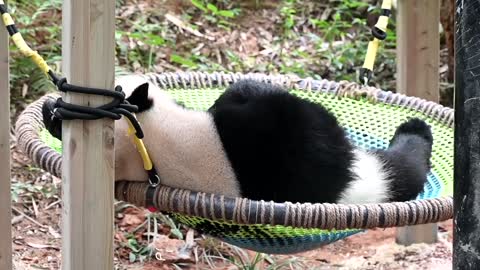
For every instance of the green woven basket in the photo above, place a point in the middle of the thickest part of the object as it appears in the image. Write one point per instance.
(369, 116)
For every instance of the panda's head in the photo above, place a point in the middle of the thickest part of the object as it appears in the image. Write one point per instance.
(137, 91)
(147, 96)
(153, 105)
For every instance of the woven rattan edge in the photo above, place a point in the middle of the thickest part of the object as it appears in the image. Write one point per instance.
(217, 207)
(27, 131)
(328, 216)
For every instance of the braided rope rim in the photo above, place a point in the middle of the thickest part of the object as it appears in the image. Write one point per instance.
(245, 211)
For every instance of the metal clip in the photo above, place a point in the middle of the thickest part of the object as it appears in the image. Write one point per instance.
(154, 182)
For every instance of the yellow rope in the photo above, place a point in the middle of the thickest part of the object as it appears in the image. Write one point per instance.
(372, 50)
(7, 19)
(387, 4)
(23, 47)
(382, 23)
(147, 162)
(375, 43)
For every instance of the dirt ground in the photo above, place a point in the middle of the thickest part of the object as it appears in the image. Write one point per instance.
(376, 249)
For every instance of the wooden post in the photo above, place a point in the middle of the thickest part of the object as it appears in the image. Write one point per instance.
(88, 155)
(5, 197)
(418, 56)
(418, 48)
(466, 234)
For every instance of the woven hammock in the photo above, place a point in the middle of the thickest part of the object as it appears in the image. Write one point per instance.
(369, 116)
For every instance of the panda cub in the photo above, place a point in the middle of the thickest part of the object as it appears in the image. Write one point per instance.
(260, 142)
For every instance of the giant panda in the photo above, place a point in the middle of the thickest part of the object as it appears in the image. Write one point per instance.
(260, 142)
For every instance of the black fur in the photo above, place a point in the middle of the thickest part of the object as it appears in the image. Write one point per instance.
(281, 147)
(52, 124)
(139, 97)
(285, 148)
(408, 158)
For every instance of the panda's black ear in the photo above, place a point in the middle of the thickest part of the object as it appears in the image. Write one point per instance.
(140, 98)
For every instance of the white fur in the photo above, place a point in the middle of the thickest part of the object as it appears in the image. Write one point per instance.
(371, 180)
(183, 144)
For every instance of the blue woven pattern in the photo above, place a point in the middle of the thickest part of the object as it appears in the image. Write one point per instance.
(289, 245)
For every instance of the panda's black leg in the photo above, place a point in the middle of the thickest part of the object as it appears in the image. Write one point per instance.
(407, 159)
(414, 136)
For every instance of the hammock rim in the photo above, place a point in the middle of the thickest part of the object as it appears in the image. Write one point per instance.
(244, 211)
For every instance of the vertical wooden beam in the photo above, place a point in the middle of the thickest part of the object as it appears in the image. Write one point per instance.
(5, 198)
(466, 201)
(418, 57)
(88, 157)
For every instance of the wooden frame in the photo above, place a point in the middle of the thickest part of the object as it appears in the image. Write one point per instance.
(5, 197)
(88, 44)
(418, 59)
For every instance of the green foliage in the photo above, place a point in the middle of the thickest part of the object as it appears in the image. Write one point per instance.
(138, 251)
(340, 41)
(41, 37)
(349, 7)
(287, 12)
(214, 14)
(184, 62)
(21, 189)
(142, 252)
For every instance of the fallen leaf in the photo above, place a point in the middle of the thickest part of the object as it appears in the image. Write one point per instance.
(184, 26)
(17, 219)
(24, 90)
(131, 220)
(41, 246)
(169, 250)
(54, 233)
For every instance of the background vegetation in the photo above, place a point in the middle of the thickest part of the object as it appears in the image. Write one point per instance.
(325, 39)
